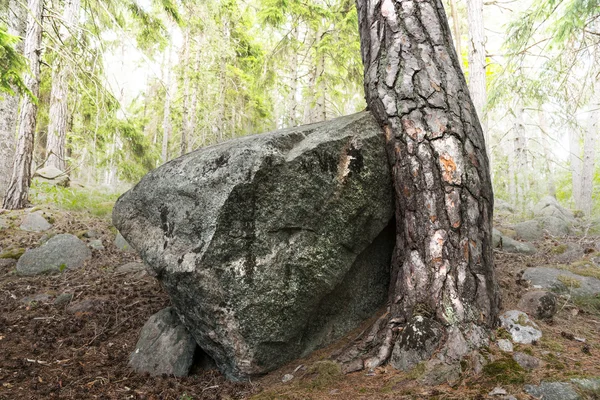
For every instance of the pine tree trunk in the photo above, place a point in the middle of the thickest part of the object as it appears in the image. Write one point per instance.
(456, 26)
(520, 157)
(59, 113)
(9, 105)
(18, 190)
(477, 84)
(186, 95)
(442, 268)
(167, 110)
(292, 103)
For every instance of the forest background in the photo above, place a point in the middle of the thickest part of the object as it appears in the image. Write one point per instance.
(125, 86)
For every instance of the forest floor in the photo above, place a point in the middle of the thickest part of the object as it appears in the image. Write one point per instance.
(79, 349)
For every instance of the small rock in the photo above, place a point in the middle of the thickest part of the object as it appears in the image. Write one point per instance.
(438, 372)
(334, 392)
(589, 384)
(63, 298)
(131, 267)
(164, 347)
(35, 222)
(87, 305)
(60, 252)
(91, 234)
(526, 361)
(498, 391)
(38, 298)
(505, 345)
(287, 378)
(539, 304)
(554, 279)
(512, 246)
(122, 244)
(552, 391)
(522, 329)
(52, 176)
(96, 244)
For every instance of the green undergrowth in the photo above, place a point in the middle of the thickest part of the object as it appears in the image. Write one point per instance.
(590, 304)
(95, 201)
(505, 371)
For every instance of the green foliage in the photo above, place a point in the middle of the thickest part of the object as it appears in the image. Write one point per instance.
(12, 65)
(96, 201)
(505, 371)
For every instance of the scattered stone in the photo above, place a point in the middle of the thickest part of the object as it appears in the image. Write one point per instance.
(131, 267)
(91, 234)
(63, 251)
(503, 206)
(552, 391)
(498, 391)
(522, 329)
(52, 176)
(528, 230)
(559, 280)
(90, 305)
(505, 345)
(555, 226)
(287, 377)
(526, 361)
(417, 342)
(540, 304)
(270, 246)
(37, 298)
(122, 244)
(438, 372)
(35, 222)
(513, 246)
(96, 244)
(588, 384)
(549, 207)
(62, 299)
(164, 346)
(496, 238)
(536, 228)
(334, 392)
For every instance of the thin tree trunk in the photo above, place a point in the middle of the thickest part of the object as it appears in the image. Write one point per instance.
(576, 162)
(587, 168)
(442, 268)
(292, 103)
(477, 84)
(520, 163)
(9, 105)
(18, 190)
(59, 113)
(185, 134)
(167, 110)
(547, 152)
(456, 26)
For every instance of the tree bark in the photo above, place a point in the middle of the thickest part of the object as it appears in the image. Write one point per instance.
(587, 168)
(520, 157)
(18, 190)
(9, 105)
(167, 110)
(59, 94)
(442, 269)
(456, 26)
(576, 163)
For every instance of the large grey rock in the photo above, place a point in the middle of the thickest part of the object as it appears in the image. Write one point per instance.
(536, 228)
(60, 252)
(552, 391)
(587, 384)
(35, 222)
(164, 347)
(562, 281)
(417, 342)
(52, 176)
(539, 304)
(549, 207)
(272, 245)
(522, 329)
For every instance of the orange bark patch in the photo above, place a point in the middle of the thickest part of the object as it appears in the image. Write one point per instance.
(448, 166)
(388, 133)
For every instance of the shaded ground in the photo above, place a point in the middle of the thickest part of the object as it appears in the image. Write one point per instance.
(80, 349)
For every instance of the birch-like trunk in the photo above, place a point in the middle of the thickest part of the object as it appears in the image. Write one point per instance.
(590, 139)
(166, 125)
(576, 163)
(477, 84)
(9, 105)
(520, 160)
(456, 26)
(185, 134)
(547, 152)
(292, 102)
(442, 268)
(59, 94)
(18, 189)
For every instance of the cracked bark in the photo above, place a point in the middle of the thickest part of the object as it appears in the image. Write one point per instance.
(442, 267)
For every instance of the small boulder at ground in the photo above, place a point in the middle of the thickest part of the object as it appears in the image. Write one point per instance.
(526, 361)
(549, 207)
(503, 206)
(51, 176)
(514, 246)
(122, 244)
(61, 252)
(552, 391)
(91, 234)
(36, 298)
(131, 268)
(522, 329)
(62, 299)
(536, 228)
(35, 222)
(539, 303)
(164, 346)
(96, 244)
(560, 280)
(417, 342)
(505, 345)
(438, 372)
